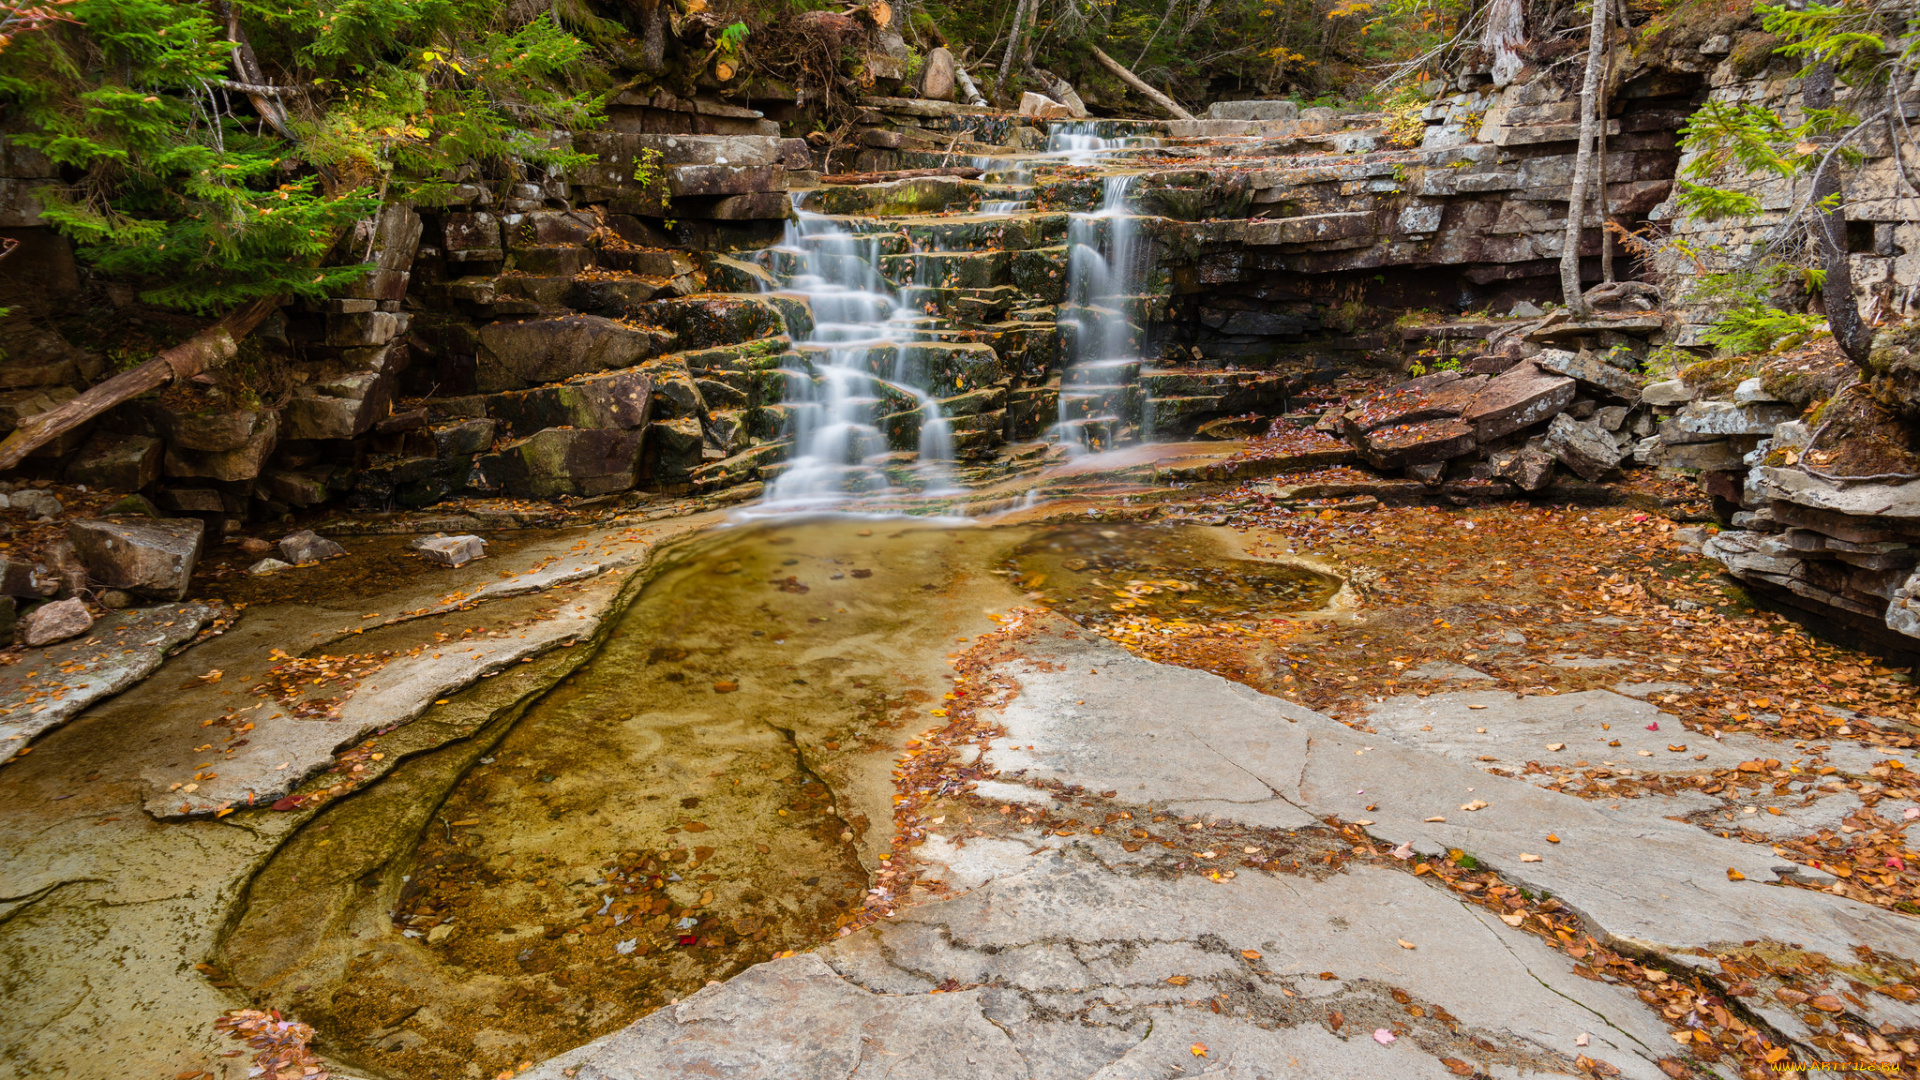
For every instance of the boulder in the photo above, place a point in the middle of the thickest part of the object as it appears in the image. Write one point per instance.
(1041, 107)
(25, 579)
(242, 462)
(1583, 446)
(565, 461)
(1590, 370)
(1525, 467)
(1894, 368)
(53, 622)
(151, 557)
(38, 505)
(1668, 392)
(112, 461)
(1253, 110)
(619, 399)
(936, 77)
(1707, 421)
(446, 550)
(1519, 397)
(1404, 445)
(214, 429)
(1716, 456)
(306, 546)
(513, 355)
(343, 407)
(675, 449)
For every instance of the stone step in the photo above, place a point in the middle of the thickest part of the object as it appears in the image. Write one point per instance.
(897, 198)
(944, 368)
(1088, 401)
(1093, 373)
(1091, 432)
(1162, 415)
(704, 320)
(950, 269)
(973, 305)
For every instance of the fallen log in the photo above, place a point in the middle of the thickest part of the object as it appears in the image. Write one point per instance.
(960, 171)
(185, 360)
(1171, 106)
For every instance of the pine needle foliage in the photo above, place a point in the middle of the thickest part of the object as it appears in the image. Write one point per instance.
(175, 181)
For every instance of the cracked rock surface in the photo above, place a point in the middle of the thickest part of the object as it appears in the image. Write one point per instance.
(1083, 957)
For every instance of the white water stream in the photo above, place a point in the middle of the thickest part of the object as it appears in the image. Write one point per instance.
(860, 345)
(859, 373)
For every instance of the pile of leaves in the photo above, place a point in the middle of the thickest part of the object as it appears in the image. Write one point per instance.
(279, 1045)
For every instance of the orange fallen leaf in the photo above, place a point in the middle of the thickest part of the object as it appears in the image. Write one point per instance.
(1735, 875)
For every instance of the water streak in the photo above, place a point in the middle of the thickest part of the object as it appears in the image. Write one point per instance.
(857, 374)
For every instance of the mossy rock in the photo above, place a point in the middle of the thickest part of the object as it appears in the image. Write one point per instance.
(1893, 368)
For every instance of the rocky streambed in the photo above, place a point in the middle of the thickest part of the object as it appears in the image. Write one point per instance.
(703, 781)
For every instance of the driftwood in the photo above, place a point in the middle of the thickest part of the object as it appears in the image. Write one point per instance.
(959, 171)
(185, 360)
(1171, 106)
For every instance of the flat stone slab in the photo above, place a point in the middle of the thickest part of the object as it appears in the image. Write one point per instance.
(50, 686)
(1511, 730)
(1656, 885)
(283, 750)
(1079, 968)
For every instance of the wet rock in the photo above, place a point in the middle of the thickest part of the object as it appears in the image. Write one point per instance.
(452, 551)
(149, 556)
(513, 355)
(936, 78)
(1438, 396)
(1590, 370)
(55, 621)
(268, 566)
(462, 438)
(306, 546)
(1525, 309)
(1583, 446)
(116, 462)
(115, 599)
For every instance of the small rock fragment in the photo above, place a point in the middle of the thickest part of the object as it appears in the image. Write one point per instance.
(307, 547)
(53, 622)
(450, 550)
(268, 566)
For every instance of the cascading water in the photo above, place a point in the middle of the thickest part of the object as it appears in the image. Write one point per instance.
(1097, 390)
(859, 373)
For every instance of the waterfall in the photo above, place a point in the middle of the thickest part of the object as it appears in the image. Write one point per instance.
(1103, 275)
(858, 373)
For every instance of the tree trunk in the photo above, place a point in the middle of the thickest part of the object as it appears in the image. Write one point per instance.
(1506, 30)
(1828, 218)
(1013, 47)
(185, 360)
(1168, 104)
(1600, 168)
(1582, 167)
